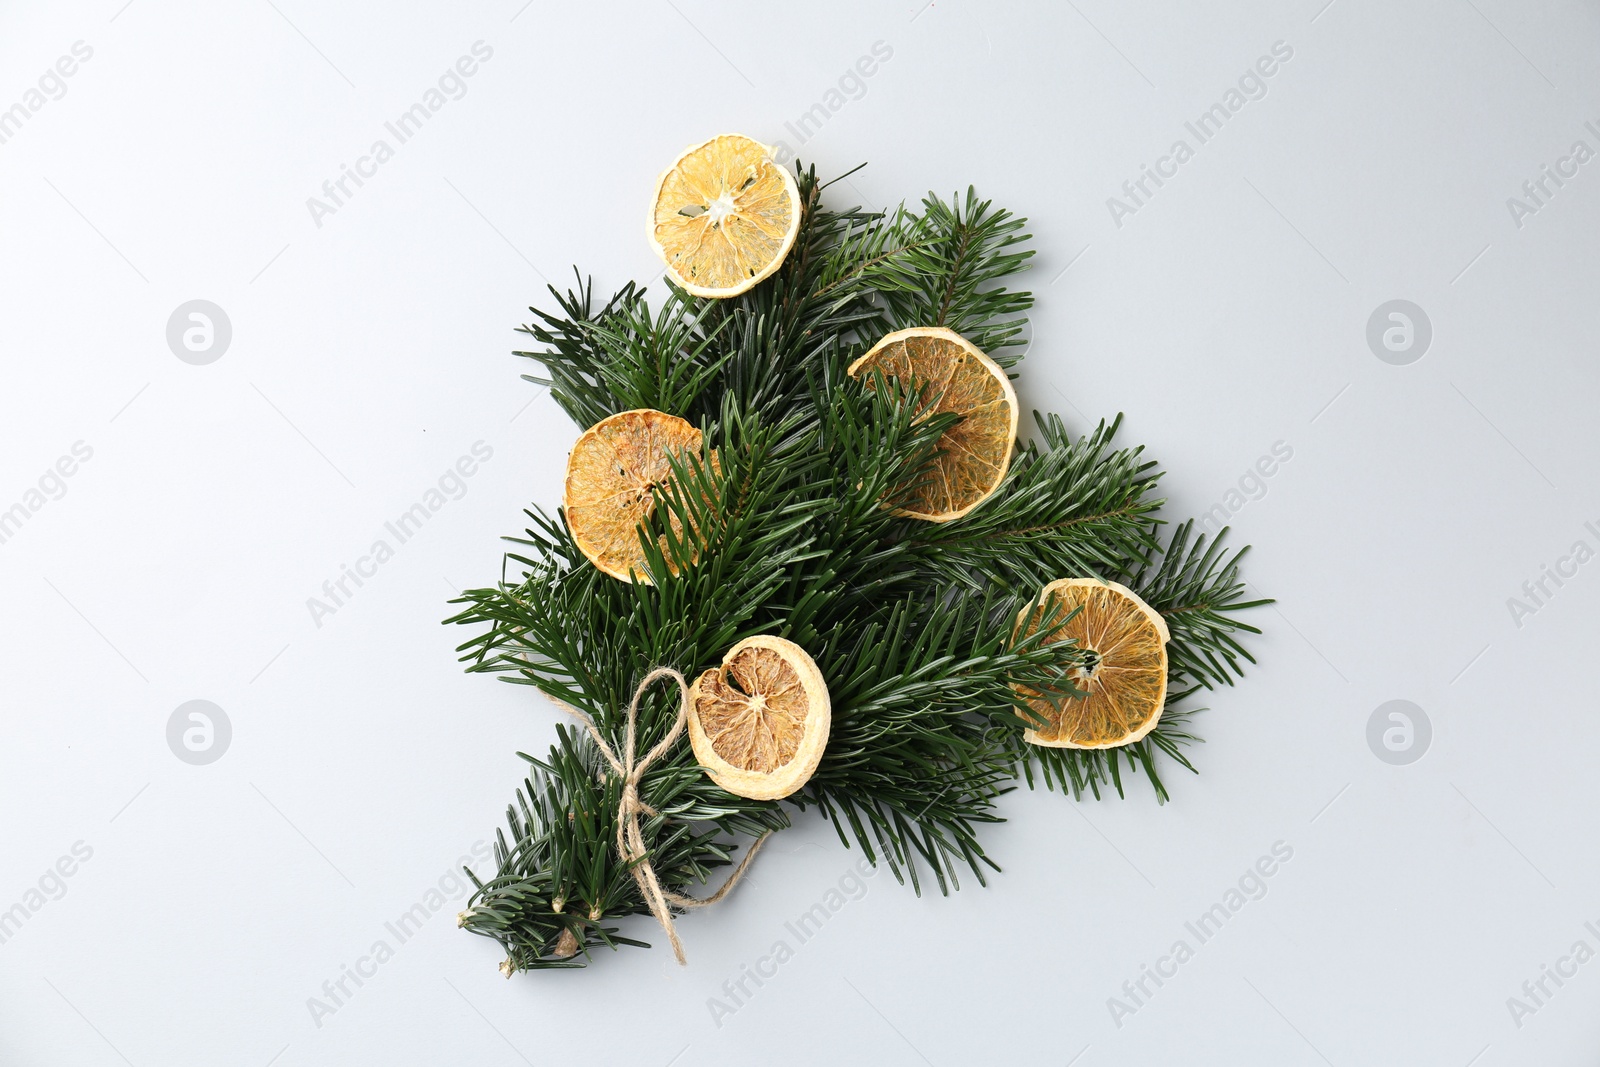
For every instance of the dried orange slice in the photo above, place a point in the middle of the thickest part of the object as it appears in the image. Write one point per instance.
(613, 473)
(955, 376)
(759, 723)
(724, 216)
(1125, 676)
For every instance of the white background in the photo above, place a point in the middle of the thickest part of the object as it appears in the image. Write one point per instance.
(368, 353)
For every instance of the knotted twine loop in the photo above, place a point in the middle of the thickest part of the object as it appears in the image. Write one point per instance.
(630, 839)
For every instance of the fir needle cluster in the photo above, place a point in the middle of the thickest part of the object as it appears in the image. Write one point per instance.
(790, 531)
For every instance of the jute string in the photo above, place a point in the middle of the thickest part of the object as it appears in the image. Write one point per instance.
(630, 839)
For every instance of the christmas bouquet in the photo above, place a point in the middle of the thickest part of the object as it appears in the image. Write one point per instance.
(804, 561)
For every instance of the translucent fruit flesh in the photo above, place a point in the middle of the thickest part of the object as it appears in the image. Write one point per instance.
(955, 376)
(613, 474)
(1125, 670)
(725, 215)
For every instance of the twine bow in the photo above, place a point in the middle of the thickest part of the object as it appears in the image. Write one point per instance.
(630, 839)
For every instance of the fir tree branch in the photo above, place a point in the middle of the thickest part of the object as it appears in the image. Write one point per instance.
(1068, 508)
(558, 878)
(1197, 589)
(953, 259)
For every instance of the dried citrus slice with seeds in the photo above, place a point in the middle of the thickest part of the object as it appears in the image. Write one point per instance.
(613, 474)
(724, 216)
(1124, 673)
(759, 723)
(954, 375)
